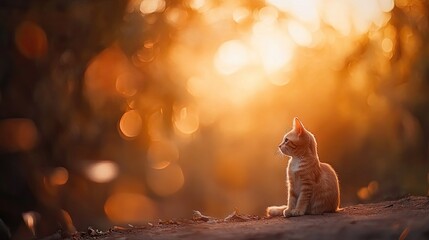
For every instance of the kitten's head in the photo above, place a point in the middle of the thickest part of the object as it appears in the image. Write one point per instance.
(298, 141)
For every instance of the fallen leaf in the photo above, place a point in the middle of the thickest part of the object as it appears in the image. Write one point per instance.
(197, 216)
(234, 216)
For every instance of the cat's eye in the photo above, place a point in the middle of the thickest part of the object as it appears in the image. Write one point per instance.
(286, 140)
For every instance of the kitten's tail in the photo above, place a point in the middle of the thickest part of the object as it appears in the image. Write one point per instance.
(275, 211)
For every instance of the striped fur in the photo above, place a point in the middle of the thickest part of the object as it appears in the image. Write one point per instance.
(312, 186)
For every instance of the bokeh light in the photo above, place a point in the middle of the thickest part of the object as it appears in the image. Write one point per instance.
(387, 45)
(102, 171)
(231, 57)
(152, 6)
(156, 125)
(30, 219)
(299, 33)
(274, 47)
(186, 120)
(176, 17)
(166, 181)
(130, 124)
(31, 40)
(129, 208)
(126, 84)
(161, 153)
(109, 72)
(69, 221)
(240, 14)
(365, 193)
(18, 134)
(200, 5)
(59, 176)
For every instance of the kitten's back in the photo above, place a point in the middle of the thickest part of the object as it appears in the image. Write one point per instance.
(326, 192)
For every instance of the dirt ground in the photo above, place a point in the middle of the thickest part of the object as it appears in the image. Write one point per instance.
(407, 218)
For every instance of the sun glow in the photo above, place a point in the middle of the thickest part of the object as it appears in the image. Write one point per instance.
(231, 57)
(271, 41)
(274, 47)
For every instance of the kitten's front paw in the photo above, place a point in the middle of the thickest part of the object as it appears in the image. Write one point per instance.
(286, 212)
(292, 213)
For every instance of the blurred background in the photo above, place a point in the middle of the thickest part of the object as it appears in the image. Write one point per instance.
(116, 112)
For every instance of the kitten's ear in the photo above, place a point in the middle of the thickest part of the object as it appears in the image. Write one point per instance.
(298, 126)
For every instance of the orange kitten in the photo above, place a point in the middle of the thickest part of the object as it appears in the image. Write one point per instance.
(312, 186)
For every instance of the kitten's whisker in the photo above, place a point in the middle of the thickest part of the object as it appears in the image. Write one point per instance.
(279, 154)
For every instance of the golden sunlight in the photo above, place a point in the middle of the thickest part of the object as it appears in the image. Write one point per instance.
(305, 10)
(230, 172)
(197, 86)
(299, 34)
(176, 16)
(269, 46)
(127, 111)
(240, 14)
(231, 57)
(386, 5)
(356, 17)
(268, 15)
(102, 171)
(200, 5)
(273, 45)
